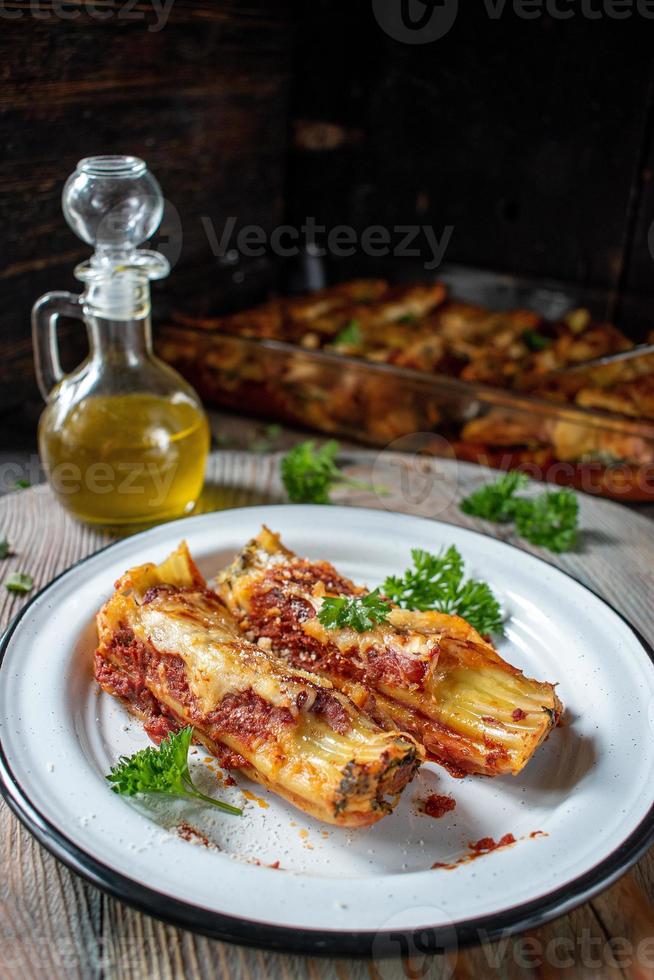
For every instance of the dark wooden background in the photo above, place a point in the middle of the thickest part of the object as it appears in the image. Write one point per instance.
(532, 138)
(204, 100)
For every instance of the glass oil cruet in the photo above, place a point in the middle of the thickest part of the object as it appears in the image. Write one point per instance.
(123, 438)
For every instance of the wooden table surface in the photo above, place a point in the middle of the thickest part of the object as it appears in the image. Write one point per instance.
(53, 924)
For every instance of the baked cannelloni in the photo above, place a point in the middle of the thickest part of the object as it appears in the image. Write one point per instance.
(423, 672)
(169, 649)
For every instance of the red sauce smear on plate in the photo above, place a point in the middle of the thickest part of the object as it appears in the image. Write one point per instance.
(276, 866)
(437, 805)
(477, 849)
(485, 845)
(194, 836)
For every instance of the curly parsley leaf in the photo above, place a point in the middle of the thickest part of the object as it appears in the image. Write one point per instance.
(496, 501)
(350, 335)
(19, 582)
(549, 520)
(421, 586)
(162, 770)
(437, 582)
(535, 341)
(360, 613)
(5, 549)
(309, 473)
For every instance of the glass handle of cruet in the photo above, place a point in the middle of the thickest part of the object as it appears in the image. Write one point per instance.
(45, 313)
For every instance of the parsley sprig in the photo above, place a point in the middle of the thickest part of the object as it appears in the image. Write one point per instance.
(162, 770)
(19, 582)
(309, 473)
(535, 341)
(361, 613)
(349, 336)
(5, 549)
(496, 501)
(437, 581)
(548, 520)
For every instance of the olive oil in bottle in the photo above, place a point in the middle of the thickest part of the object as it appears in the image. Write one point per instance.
(123, 438)
(118, 459)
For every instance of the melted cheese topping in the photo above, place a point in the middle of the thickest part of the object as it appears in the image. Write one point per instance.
(327, 757)
(218, 662)
(430, 671)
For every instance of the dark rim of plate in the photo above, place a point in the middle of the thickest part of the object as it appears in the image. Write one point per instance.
(317, 942)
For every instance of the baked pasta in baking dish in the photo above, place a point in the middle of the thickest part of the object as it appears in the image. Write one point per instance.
(380, 331)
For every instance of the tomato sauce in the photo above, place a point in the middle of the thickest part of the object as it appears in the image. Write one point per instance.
(437, 805)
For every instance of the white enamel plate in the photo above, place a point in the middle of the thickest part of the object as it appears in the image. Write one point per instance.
(580, 813)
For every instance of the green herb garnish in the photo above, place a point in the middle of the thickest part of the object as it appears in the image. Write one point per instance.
(309, 473)
(22, 484)
(264, 443)
(550, 520)
(5, 549)
(19, 582)
(358, 612)
(437, 582)
(162, 770)
(535, 341)
(495, 501)
(350, 335)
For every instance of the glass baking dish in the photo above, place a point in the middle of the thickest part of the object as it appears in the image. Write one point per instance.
(377, 404)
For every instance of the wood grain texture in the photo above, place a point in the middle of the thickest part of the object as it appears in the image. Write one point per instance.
(507, 128)
(635, 297)
(203, 99)
(53, 925)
